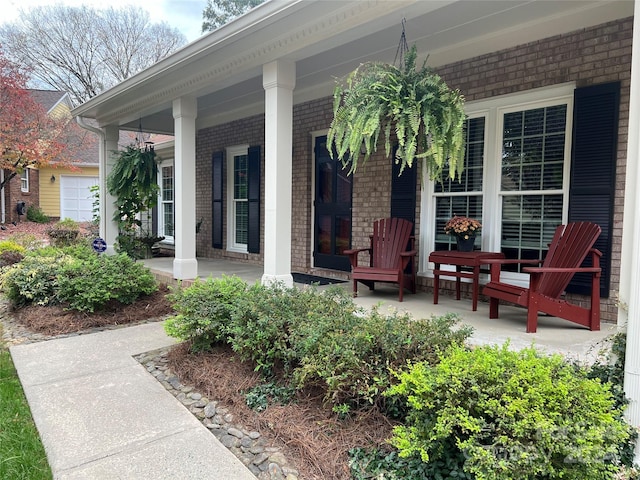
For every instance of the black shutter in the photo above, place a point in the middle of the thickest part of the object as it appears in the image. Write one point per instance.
(253, 194)
(217, 182)
(403, 192)
(593, 171)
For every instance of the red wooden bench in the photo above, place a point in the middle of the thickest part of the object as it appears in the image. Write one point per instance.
(390, 253)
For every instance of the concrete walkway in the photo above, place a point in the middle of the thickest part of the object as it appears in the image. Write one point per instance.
(102, 416)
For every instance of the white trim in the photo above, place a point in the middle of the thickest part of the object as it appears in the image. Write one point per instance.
(24, 181)
(232, 152)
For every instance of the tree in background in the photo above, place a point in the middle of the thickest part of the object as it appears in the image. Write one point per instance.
(83, 50)
(29, 137)
(219, 12)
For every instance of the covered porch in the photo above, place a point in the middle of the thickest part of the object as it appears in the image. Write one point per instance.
(553, 335)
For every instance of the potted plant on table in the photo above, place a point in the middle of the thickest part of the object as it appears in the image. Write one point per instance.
(465, 230)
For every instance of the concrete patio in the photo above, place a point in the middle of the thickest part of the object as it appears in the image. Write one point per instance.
(553, 336)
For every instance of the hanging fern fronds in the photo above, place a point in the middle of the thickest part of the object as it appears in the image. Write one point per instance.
(426, 116)
(133, 181)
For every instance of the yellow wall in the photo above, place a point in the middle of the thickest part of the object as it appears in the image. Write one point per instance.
(50, 191)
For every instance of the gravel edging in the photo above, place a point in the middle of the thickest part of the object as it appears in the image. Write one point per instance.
(250, 447)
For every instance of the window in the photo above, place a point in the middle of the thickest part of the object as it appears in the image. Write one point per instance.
(238, 199)
(167, 220)
(516, 175)
(462, 197)
(24, 180)
(534, 144)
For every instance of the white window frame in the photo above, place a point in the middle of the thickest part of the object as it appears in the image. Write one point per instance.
(24, 181)
(169, 239)
(232, 245)
(494, 109)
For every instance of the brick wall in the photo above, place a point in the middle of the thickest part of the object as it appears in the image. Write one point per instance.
(590, 56)
(13, 194)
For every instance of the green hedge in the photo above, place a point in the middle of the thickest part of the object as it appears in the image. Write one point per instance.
(510, 415)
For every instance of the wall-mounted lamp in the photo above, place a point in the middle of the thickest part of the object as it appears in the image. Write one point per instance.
(53, 178)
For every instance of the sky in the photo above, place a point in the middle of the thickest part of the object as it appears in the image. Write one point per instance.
(185, 15)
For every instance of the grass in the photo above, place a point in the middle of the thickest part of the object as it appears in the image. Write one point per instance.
(22, 455)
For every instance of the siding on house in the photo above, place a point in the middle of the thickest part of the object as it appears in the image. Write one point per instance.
(50, 191)
(589, 56)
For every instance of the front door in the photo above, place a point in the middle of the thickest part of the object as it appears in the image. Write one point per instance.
(332, 234)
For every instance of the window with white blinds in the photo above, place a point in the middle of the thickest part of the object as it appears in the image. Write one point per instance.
(462, 196)
(532, 179)
(516, 175)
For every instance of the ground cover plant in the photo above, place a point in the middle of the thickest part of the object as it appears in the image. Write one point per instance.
(22, 455)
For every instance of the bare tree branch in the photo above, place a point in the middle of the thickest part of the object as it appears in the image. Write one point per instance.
(83, 50)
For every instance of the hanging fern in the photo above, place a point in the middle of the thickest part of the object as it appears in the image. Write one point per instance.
(133, 181)
(425, 114)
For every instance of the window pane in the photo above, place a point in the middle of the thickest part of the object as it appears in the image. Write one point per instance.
(167, 184)
(528, 223)
(533, 157)
(242, 222)
(168, 219)
(240, 178)
(466, 194)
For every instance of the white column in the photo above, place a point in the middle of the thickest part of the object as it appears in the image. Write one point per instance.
(629, 311)
(278, 80)
(108, 155)
(185, 265)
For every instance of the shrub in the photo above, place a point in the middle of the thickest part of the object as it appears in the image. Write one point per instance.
(204, 311)
(389, 465)
(35, 214)
(511, 414)
(26, 240)
(34, 280)
(88, 284)
(350, 353)
(261, 325)
(65, 232)
(11, 246)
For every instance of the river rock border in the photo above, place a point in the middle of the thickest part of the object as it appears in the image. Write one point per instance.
(250, 447)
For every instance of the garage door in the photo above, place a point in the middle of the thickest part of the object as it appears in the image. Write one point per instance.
(76, 200)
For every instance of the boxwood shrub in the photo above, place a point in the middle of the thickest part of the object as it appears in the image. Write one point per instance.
(204, 311)
(510, 415)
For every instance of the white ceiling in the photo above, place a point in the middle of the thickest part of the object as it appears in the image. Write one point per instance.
(328, 38)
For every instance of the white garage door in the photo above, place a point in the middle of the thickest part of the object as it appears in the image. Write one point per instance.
(76, 201)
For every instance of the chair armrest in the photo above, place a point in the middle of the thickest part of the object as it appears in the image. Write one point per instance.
(356, 251)
(538, 270)
(410, 253)
(353, 255)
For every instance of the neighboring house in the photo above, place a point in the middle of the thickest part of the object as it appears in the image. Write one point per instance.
(547, 85)
(64, 192)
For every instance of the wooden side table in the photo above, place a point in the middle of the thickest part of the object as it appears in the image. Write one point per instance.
(467, 266)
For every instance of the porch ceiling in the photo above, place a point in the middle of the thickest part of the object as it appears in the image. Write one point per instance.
(326, 39)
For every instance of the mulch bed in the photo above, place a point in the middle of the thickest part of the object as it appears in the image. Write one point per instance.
(57, 320)
(308, 433)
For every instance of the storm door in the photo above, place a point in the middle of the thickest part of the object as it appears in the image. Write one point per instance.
(332, 225)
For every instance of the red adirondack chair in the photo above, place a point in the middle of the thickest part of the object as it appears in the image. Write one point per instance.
(570, 246)
(391, 251)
